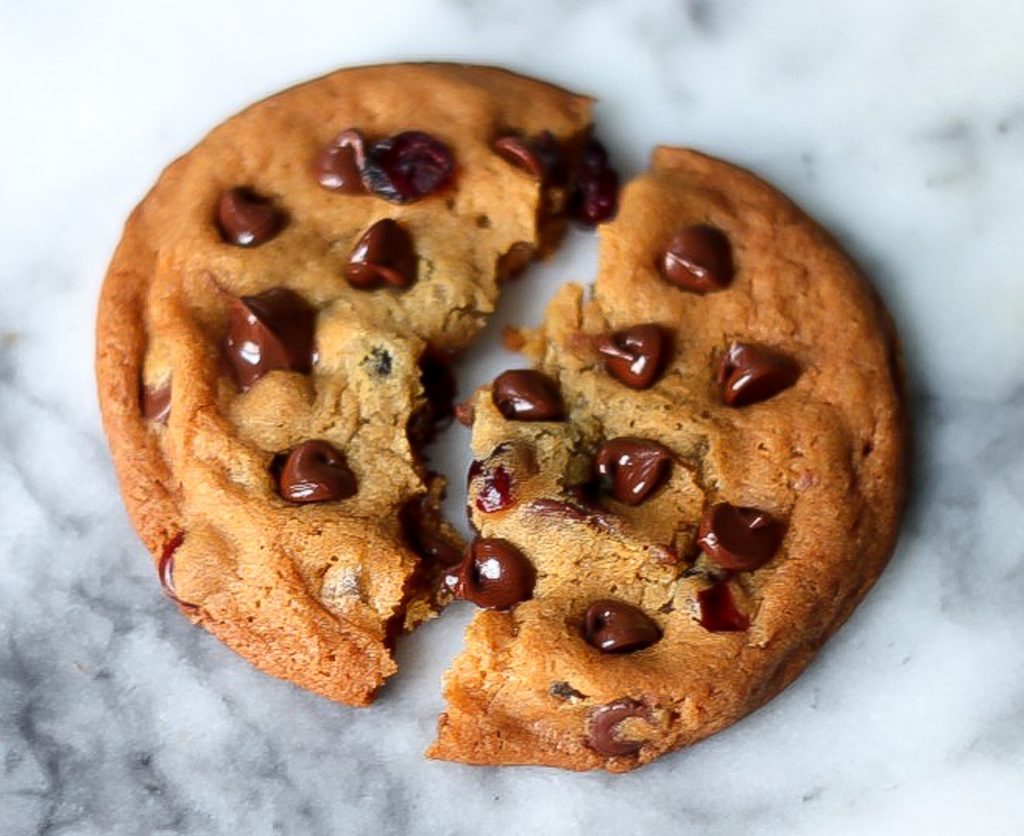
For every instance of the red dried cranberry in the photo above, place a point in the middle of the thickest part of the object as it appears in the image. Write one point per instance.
(407, 166)
(496, 492)
(595, 198)
(718, 610)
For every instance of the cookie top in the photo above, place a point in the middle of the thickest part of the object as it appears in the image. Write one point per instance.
(271, 341)
(700, 485)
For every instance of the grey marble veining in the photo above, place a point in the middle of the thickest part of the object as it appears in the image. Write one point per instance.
(900, 125)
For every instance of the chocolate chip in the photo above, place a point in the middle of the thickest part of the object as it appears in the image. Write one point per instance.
(156, 402)
(698, 258)
(517, 151)
(634, 356)
(316, 472)
(718, 611)
(246, 219)
(384, 255)
(338, 165)
(541, 156)
(739, 538)
(378, 362)
(527, 395)
(618, 627)
(632, 468)
(165, 568)
(604, 727)
(494, 575)
(407, 167)
(423, 534)
(274, 330)
(750, 373)
(564, 691)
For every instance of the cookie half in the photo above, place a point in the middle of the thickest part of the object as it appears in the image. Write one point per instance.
(690, 491)
(272, 339)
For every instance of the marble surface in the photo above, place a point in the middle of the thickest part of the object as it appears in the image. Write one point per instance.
(899, 124)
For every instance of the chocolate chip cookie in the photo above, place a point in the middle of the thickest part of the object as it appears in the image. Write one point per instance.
(690, 491)
(273, 338)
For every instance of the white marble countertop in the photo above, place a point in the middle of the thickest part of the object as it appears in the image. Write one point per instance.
(901, 125)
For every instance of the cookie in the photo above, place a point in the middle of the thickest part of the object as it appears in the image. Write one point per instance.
(692, 488)
(272, 341)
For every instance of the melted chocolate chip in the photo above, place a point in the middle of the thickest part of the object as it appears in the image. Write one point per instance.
(274, 330)
(618, 627)
(752, 373)
(632, 468)
(407, 167)
(634, 356)
(495, 575)
(338, 165)
(246, 219)
(527, 395)
(383, 256)
(156, 402)
(739, 538)
(698, 258)
(718, 611)
(604, 727)
(316, 472)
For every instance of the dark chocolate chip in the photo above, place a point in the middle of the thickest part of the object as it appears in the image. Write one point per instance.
(739, 538)
(634, 356)
(316, 472)
(516, 150)
(378, 362)
(527, 395)
(338, 165)
(718, 610)
(274, 330)
(541, 156)
(494, 575)
(604, 727)
(407, 167)
(246, 219)
(751, 373)
(618, 627)
(564, 691)
(631, 469)
(383, 256)
(698, 258)
(156, 402)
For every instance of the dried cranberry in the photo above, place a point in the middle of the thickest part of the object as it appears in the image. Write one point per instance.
(407, 166)
(495, 493)
(595, 198)
(718, 610)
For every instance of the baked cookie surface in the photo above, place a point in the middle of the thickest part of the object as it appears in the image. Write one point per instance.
(691, 492)
(271, 340)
